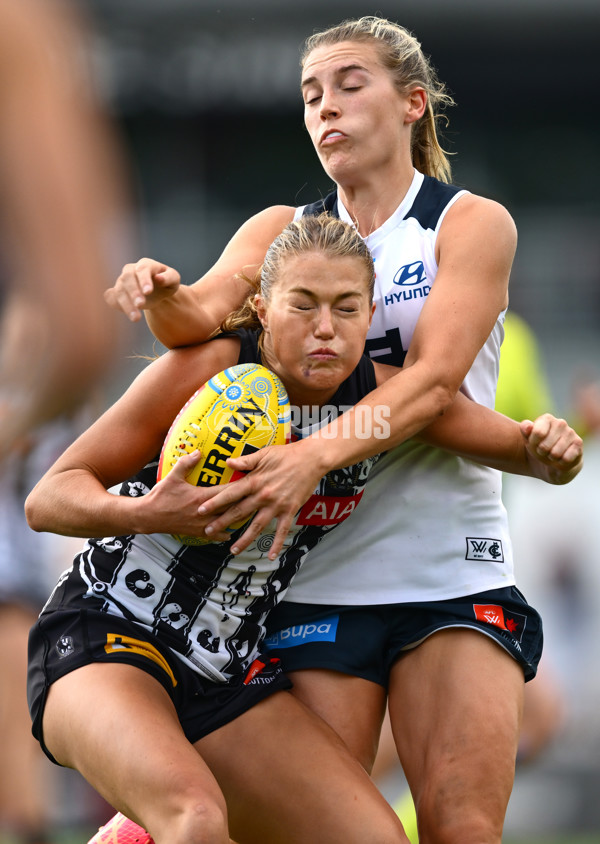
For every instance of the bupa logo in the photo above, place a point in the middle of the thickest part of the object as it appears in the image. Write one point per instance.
(411, 275)
(324, 630)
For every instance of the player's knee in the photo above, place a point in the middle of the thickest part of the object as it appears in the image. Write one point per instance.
(207, 822)
(459, 827)
(455, 812)
(203, 821)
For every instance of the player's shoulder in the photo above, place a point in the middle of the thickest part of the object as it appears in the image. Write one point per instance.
(273, 218)
(183, 369)
(221, 351)
(476, 213)
(248, 246)
(475, 205)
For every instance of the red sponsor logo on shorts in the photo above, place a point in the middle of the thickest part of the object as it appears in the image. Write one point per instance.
(328, 509)
(513, 623)
(257, 667)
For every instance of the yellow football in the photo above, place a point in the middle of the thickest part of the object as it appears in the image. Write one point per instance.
(238, 411)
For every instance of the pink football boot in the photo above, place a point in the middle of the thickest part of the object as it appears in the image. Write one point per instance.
(120, 830)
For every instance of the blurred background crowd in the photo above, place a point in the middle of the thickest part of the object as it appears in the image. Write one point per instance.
(182, 119)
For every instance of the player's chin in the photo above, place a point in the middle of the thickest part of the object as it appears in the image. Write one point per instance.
(326, 374)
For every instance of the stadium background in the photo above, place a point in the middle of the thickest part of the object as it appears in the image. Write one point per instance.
(206, 96)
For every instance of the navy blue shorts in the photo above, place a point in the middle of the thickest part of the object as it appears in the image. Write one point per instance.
(61, 642)
(365, 641)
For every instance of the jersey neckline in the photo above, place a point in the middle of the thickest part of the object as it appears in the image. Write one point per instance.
(372, 240)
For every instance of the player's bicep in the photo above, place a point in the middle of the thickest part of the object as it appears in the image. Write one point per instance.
(131, 432)
(221, 290)
(476, 248)
(121, 441)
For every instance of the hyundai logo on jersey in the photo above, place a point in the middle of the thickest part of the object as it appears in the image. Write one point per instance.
(411, 278)
(411, 274)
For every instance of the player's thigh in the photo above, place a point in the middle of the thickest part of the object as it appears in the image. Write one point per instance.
(118, 727)
(353, 707)
(455, 704)
(288, 777)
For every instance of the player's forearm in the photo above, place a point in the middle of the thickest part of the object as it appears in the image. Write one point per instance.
(499, 447)
(478, 433)
(547, 449)
(180, 320)
(386, 417)
(75, 504)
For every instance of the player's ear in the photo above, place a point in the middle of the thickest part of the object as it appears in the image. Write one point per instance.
(416, 105)
(261, 310)
(373, 306)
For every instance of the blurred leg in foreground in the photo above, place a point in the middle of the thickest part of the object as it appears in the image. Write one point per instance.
(62, 189)
(63, 202)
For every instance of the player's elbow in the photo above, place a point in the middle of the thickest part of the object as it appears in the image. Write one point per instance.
(437, 385)
(34, 512)
(442, 396)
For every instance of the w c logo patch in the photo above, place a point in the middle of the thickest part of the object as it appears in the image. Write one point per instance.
(484, 548)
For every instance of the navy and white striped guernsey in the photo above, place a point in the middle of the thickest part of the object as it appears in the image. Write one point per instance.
(206, 604)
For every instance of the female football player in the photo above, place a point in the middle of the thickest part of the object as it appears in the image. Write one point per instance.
(424, 571)
(147, 671)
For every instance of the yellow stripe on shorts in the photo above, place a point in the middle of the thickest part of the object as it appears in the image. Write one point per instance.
(116, 643)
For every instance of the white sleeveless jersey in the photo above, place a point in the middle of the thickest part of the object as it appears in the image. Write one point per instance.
(431, 525)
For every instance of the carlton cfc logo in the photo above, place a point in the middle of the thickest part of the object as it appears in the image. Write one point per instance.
(411, 274)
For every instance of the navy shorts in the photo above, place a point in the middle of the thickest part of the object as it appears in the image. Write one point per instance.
(365, 641)
(61, 642)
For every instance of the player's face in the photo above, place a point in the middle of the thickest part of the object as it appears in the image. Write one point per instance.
(316, 324)
(353, 112)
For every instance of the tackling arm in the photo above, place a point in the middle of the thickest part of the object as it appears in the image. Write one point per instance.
(72, 497)
(179, 315)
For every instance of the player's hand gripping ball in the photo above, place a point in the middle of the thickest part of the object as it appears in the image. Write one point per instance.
(238, 411)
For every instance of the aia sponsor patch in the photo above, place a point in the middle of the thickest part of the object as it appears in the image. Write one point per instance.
(513, 622)
(483, 548)
(328, 509)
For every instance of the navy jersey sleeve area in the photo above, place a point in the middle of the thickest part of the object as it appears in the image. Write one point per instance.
(248, 337)
(249, 351)
(431, 200)
(328, 204)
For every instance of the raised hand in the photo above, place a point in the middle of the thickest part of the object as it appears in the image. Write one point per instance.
(281, 479)
(554, 449)
(172, 505)
(141, 286)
